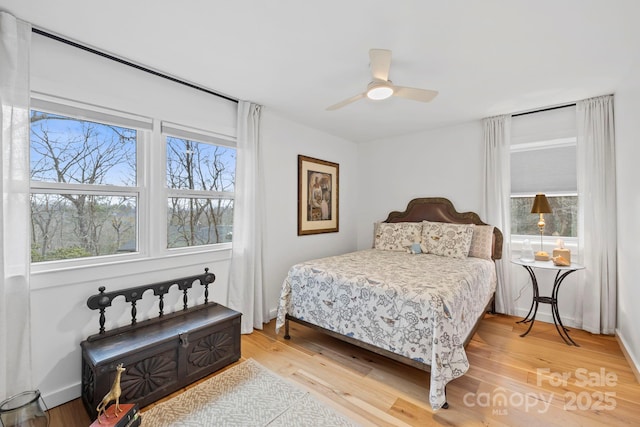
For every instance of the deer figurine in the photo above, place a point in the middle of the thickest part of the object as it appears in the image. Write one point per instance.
(114, 394)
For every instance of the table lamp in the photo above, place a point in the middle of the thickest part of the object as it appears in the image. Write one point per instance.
(541, 206)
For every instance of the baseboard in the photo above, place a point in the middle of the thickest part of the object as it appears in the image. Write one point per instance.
(61, 396)
(547, 317)
(635, 366)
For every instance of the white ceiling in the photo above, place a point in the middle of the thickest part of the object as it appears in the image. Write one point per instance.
(297, 57)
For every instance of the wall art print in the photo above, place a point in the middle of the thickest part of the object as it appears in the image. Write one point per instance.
(317, 196)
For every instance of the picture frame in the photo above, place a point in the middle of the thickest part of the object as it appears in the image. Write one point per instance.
(318, 190)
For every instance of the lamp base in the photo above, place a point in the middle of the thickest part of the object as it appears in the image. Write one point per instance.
(542, 256)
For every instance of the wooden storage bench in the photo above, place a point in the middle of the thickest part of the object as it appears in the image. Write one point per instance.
(160, 355)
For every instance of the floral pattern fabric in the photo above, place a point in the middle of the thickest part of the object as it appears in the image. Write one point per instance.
(397, 236)
(419, 306)
(446, 239)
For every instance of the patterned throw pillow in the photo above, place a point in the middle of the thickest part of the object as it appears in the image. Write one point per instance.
(397, 236)
(482, 242)
(445, 239)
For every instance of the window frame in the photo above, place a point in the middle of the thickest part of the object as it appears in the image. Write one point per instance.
(543, 144)
(204, 137)
(151, 183)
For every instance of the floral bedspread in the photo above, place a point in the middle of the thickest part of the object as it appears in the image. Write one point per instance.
(419, 306)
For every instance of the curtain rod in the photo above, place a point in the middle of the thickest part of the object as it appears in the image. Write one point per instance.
(544, 109)
(130, 64)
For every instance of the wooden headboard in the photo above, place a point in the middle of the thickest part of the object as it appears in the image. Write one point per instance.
(439, 209)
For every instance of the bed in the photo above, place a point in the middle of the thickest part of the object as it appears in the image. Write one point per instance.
(417, 296)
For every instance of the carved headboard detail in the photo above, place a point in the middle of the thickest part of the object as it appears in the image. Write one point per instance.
(440, 209)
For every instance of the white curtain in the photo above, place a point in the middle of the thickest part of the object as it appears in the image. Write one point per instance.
(497, 200)
(246, 290)
(15, 336)
(597, 215)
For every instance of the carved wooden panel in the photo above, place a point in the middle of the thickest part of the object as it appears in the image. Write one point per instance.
(146, 376)
(211, 351)
(211, 348)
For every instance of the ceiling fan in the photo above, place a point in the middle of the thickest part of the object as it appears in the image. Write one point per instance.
(381, 87)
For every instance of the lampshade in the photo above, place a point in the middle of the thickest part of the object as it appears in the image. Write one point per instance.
(541, 204)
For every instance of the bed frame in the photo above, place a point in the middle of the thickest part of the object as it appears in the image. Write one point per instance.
(436, 209)
(439, 209)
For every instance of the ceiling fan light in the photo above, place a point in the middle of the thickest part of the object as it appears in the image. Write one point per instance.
(379, 92)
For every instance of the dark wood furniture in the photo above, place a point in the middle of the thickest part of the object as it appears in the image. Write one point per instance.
(436, 209)
(160, 355)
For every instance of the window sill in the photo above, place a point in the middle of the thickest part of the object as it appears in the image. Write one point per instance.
(548, 244)
(105, 272)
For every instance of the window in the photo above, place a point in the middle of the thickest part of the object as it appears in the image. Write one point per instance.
(84, 195)
(543, 160)
(561, 223)
(547, 167)
(93, 193)
(200, 185)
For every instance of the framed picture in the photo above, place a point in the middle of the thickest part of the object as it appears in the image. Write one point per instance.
(317, 196)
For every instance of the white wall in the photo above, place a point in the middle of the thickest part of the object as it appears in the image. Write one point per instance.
(69, 72)
(445, 162)
(627, 129)
(282, 142)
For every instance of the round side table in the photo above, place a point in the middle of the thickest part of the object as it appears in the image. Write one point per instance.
(561, 273)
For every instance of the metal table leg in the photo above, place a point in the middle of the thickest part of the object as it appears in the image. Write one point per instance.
(533, 310)
(562, 330)
(552, 300)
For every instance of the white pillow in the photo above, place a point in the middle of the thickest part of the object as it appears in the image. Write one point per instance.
(482, 242)
(445, 239)
(397, 236)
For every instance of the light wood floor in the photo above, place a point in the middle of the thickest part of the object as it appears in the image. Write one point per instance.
(512, 381)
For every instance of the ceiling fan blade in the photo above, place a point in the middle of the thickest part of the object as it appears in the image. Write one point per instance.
(422, 95)
(345, 102)
(380, 63)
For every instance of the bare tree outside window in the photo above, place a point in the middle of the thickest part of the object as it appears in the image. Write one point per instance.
(77, 167)
(85, 194)
(201, 180)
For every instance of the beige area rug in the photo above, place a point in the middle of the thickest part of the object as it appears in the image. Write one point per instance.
(245, 395)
